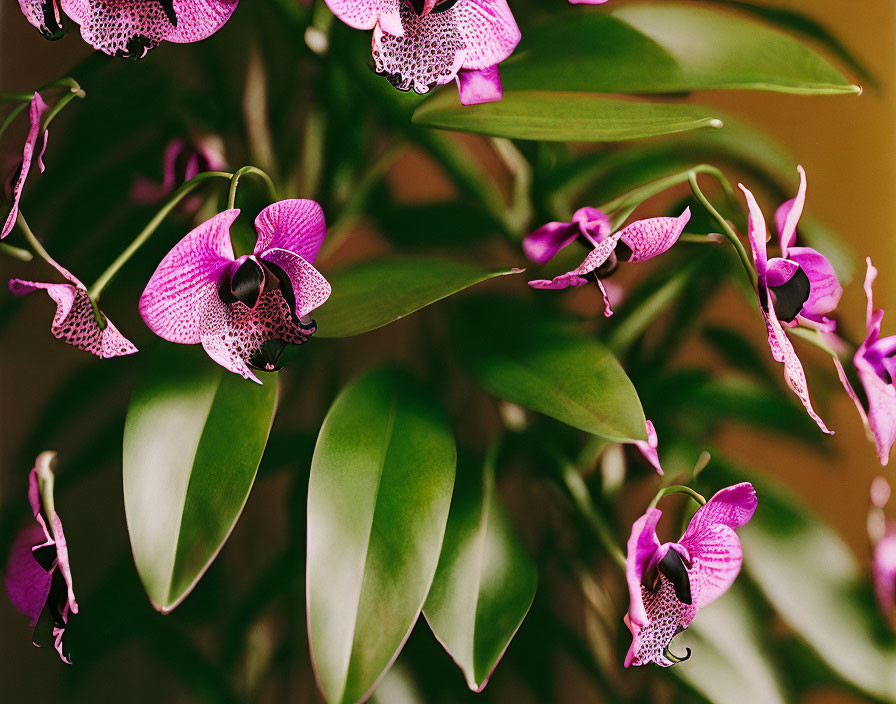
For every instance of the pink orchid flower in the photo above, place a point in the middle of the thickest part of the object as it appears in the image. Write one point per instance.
(183, 159)
(76, 322)
(130, 28)
(38, 575)
(668, 583)
(20, 174)
(875, 363)
(243, 311)
(420, 44)
(641, 240)
(800, 286)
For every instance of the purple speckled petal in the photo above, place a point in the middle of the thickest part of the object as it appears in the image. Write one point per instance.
(543, 244)
(642, 546)
(477, 86)
(787, 216)
(650, 238)
(45, 15)
(199, 19)
(883, 570)
(648, 448)
(296, 225)
(310, 287)
(781, 347)
(172, 303)
(558, 283)
(366, 14)
(666, 617)
(35, 111)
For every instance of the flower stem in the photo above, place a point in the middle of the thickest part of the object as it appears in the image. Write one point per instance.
(255, 171)
(33, 241)
(582, 499)
(634, 198)
(13, 97)
(23, 255)
(677, 489)
(97, 288)
(726, 229)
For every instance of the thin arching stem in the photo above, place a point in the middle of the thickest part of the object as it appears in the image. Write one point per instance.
(677, 489)
(255, 171)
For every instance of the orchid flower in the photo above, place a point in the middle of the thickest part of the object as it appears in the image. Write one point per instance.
(420, 44)
(130, 28)
(641, 240)
(799, 286)
(668, 583)
(875, 362)
(17, 182)
(183, 159)
(243, 311)
(38, 575)
(76, 322)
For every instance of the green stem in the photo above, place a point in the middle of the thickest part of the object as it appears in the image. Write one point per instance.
(634, 198)
(255, 171)
(13, 97)
(33, 241)
(582, 499)
(726, 229)
(677, 489)
(97, 288)
(66, 82)
(23, 255)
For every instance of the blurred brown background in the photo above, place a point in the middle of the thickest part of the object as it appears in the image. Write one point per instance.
(847, 145)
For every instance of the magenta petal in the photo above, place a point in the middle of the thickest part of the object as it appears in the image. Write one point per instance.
(296, 225)
(199, 19)
(542, 245)
(641, 548)
(883, 570)
(716, 558)
(121, 27)
(780, 271)
(592, 223)
(35, 111)
(171, 304)
(310, 287)
(558, 283)
(27, 583)
(648, 448)
(488, 29)
(732, 506)
(366, 14)
(788, 216)
(477, 86)
(650, 238)
(758, 234)
(825, 291)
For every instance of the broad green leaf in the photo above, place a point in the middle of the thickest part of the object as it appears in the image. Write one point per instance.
(729, 663)
(485, 582)
(378, 498)
(546, 115)
(193, 440)
(378, 292)
(810, 577)
(666, 48)
(519, 354)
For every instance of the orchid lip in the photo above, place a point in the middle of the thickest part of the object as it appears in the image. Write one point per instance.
(673, 568)
(791, 296)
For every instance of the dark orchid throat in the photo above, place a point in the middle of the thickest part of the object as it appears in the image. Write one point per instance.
(791, 296)
(441, 5)
(672, 567)
(51, 27)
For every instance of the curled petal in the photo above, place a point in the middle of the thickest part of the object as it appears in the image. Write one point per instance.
(558, 283)
(593, 224)
(296, 225)
(787, 216)
(642, 546)
(825, 291)
(758, 234)
(543, 244)
(648, 448)
(172, 302)
(27, 583)
(477, 86)
(650, 238)
(35, 111)
(309, 286)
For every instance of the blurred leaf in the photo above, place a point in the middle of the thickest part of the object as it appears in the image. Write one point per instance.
(810, 577)
(378, 499)
(485, 582)
(193, 440)
(737, 351)
(524, 357)
(377, 292)
(562, 117)
(443, 224)
(729, 663)
(801, 23)
(666, 48)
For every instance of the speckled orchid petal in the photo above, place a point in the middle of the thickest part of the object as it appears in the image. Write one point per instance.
(190, 274)
(558, 283)
(642, 546)
(35, 111)
(650, 238)
(477, 86)
(469, 34)
(45, 15)
(75, 321)
(781, 347)
(131, 28)
(787, 216)
(297, 225)
(38, 575)
(883, 571)
(309, 286)
(875, 362)
(648, 448)
(366, 14)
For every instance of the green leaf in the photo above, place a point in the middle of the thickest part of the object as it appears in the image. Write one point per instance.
(519, 354)
(377, 292)
(546, 115)
(485, 582)
(810, 577)
(730, 664)
(378, 498)
(193, 440)
(666, 48)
